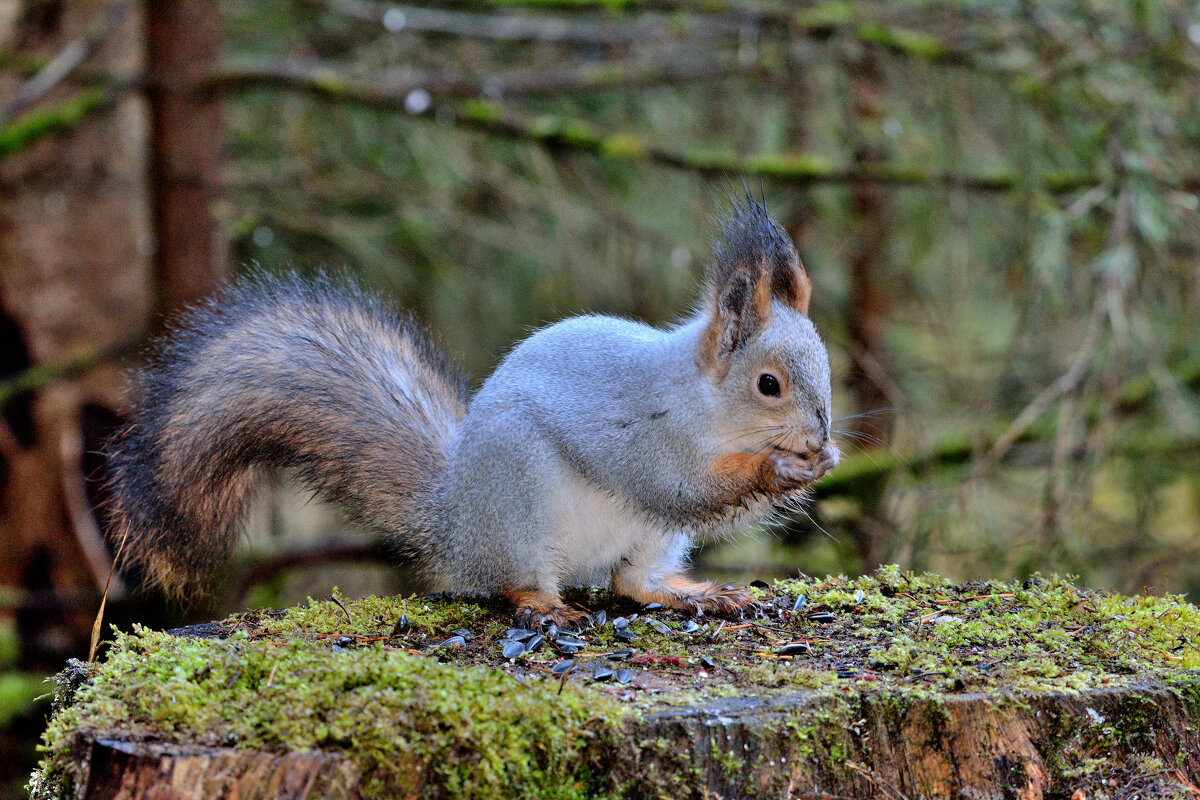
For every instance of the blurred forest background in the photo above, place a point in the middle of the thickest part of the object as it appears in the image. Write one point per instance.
(997, 202)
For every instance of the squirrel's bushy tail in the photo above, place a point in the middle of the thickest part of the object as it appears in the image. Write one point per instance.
(310, 374)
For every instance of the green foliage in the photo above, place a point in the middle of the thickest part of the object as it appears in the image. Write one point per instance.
(1039, 171)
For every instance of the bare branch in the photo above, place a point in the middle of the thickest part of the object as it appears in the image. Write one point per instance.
(58, 68)
(332, 551)
(40, 375)
(509, 27)
(395, 90)
(865, 468)
(567, 135)
(1067, 382)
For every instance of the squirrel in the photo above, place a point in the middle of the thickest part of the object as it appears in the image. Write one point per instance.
(598, 451)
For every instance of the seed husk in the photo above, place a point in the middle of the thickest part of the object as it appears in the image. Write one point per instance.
(659, 627)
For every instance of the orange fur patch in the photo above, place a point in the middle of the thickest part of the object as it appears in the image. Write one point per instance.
(803, 293)
(677, 591)
(539, 602)
(740, 474)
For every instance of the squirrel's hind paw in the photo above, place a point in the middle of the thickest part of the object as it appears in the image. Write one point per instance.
(701, 598)
(535, 609)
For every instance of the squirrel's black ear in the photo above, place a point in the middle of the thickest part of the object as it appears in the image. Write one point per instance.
(749, 240)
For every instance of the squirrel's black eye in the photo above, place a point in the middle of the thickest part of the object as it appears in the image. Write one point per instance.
(768, 384)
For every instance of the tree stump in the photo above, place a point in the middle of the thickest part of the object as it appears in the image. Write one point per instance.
(892, 685)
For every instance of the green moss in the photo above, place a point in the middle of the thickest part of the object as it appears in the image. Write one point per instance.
(332, 676)
(42, 122)
(404, 719)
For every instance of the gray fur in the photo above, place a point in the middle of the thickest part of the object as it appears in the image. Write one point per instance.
(588, 454)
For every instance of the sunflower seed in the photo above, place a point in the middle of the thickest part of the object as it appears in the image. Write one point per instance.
(623, 676)
(794, 649)
(402, 626)
(602, 674)
(513, 649)
(689, 626)
(599, 618)
(534, 643)
(622, 654)
(518, 634)
(801, 601)
(563, 666)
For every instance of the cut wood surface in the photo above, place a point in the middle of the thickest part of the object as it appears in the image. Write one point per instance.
(888, 686)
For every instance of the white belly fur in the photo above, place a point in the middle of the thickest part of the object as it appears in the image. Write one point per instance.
(596, 530)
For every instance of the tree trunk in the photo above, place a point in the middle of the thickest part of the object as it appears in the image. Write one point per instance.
(887, 686)
(866, 316)
(183, 38)
(104, 230)
(75, 242)
(963, 746)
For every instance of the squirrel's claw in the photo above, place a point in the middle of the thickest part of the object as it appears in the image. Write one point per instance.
(537, 609)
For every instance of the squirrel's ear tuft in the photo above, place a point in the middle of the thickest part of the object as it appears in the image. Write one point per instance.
(749, 241)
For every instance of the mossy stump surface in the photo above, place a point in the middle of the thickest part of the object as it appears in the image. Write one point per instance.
(892, 685)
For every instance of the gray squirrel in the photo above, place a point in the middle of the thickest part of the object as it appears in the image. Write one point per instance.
(597, 452)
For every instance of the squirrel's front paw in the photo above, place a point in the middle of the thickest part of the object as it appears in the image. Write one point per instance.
(788, 471)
